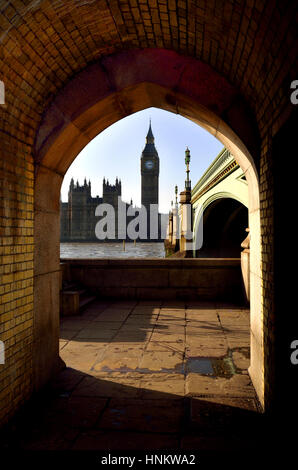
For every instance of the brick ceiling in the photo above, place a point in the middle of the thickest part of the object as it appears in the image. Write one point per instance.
(44, 43)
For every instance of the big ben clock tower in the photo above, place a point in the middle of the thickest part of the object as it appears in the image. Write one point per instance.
(149, 171)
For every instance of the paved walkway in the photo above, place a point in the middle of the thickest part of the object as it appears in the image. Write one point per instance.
(147, 375)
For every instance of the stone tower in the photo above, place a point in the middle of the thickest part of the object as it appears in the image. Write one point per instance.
(78, 199)
(111, 192)
(149, 171)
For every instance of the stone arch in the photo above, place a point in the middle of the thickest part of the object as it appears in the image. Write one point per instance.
(210, 200)
(105, 92)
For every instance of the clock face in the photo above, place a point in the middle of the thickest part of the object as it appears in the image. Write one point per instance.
(149, 164)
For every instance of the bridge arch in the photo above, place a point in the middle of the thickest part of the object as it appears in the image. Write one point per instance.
(102, 94)
(225, 219)
(199, 212)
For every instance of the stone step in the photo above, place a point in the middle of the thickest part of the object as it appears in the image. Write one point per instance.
(85, 300)
(74, 299)
(69, 286)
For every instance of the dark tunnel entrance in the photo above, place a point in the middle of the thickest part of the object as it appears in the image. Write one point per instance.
(224, 229)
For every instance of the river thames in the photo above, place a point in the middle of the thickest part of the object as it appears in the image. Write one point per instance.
(112, 250)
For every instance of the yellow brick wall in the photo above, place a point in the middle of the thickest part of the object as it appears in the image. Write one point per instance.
(16, 275)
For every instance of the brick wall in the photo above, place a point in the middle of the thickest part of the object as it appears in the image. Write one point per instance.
(16, 274)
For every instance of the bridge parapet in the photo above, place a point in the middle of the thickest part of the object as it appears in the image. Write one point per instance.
(219, 169)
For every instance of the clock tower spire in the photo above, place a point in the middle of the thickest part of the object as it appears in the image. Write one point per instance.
(149, 171)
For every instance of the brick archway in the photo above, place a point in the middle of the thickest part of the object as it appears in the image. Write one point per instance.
(103, 93)
(43, 44)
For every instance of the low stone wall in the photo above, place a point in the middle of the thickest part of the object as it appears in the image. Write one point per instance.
(206, 279)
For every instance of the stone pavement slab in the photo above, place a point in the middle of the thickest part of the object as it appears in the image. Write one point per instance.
(109, 386)
(151, 386)
(113, 440)
(236, 386)
(162, 361)
(143, 415)
(178, 347)
(148, 374)
(82, 355)
(116, 362)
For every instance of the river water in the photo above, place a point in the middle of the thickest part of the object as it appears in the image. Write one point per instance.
(112, 250)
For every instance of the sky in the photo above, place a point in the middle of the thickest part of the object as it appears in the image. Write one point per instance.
(116, 152)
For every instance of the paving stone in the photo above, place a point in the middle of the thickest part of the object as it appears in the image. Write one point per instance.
(82, 355)
(156, 303)
(218, 443)
(207, 333)
(228, 306)
(241, 359)
(235, 325)
(201, 405)
(67, 335)
(169, 322)
(103, 440)
(108, 326)
(85, 347)
(162, 361)
(202, 315)
(78, 412)
(96, 333)
(50, 439)
(200, 305)
(170, 325)
(137, 328)
(113, 315)
(143, 415)
(238, 340)
(129, 304)
(67, 380)
(127, 348)
(145, 310)
(166, 346)
(74, 324)
(171, 315)
(131, 375)
(237, 386)
(108, 386)
(116, 361)
(173, 330)
(204, 351)
(170, 384)
(167, 337)
(139, 320)
(204, 324)
(173, 304)
(206, 347)
(132, 336)
(62, 344)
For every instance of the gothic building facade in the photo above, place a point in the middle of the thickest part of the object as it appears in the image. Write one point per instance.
(82, 213)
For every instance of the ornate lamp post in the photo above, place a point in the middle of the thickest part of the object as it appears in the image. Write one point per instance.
(175, 239)
(176, 195)
(187, 162)
(186, 211)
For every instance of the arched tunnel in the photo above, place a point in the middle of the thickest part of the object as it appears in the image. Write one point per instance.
(224, 228)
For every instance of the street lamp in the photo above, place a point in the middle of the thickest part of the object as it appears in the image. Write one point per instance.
(187, 161)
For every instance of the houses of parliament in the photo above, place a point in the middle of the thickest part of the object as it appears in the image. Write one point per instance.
(78, 215)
